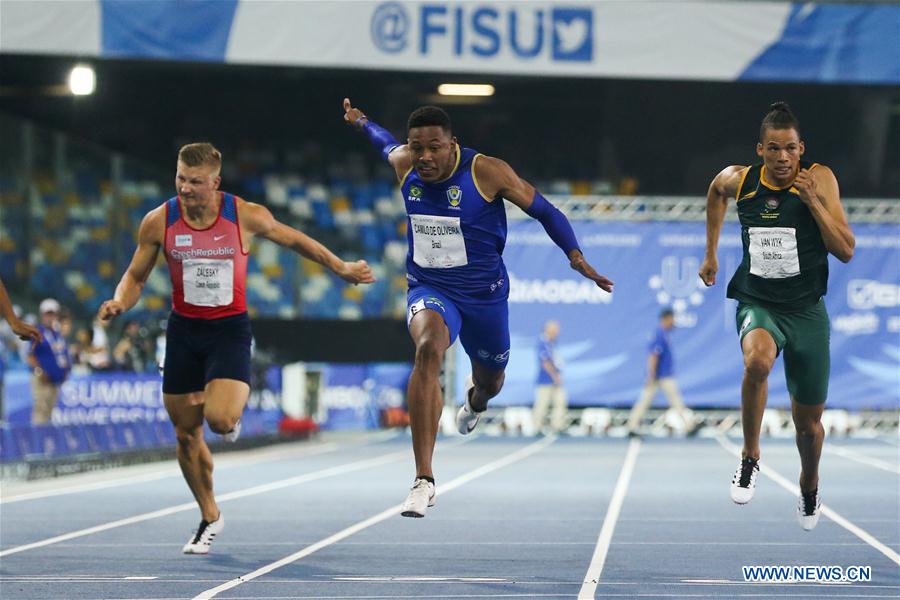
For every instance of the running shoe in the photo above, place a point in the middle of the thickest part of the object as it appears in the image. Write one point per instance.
(421, 496)
(204, 536)
(234, 434)
(743, 484)
(466, 417)
(808, 509)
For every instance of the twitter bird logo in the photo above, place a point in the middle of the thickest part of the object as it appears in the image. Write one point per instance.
(573, 34)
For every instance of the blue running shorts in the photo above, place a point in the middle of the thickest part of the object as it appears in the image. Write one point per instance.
(483, 329)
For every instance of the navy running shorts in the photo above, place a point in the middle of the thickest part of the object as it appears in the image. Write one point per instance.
(200, 350)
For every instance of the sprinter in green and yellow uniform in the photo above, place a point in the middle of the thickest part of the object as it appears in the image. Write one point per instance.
(791, 219)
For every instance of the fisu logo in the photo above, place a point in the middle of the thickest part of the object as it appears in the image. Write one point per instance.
(560, 34)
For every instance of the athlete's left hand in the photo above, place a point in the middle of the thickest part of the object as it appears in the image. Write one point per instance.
(26, 331)
(806, 185)
(581, 265)
(356, 272)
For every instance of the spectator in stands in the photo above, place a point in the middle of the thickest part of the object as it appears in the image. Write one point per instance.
(549, 389)
(79, 351)
(661, 375)
(130, 354)
(49, 361)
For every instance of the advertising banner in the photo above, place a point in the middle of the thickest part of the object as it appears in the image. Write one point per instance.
(604, 337)
(723, 41)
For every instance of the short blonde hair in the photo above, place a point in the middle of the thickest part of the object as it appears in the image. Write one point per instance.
(201, 154)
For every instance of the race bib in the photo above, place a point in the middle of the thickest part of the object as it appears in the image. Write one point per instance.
(773, 252)
(438, 242)
(208, 281)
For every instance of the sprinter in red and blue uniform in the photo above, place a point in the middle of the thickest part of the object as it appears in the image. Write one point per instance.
(205, 235)
(458, 284)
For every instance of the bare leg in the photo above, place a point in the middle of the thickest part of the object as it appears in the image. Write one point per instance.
(430, 335)
(810, 435)
(488, 383)
(760, 352)
(194, 457)
(225, 401)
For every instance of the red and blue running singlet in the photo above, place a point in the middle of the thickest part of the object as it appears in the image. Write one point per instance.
(208, 266)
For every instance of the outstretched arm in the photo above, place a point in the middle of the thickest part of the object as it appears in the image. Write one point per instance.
(150, 239)
(723, 187)
(394, 152)
(20, 328)
(497, 179)
(819, 191)
(258, 220)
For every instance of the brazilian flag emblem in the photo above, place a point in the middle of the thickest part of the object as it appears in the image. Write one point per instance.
(454, 195)
(415, 191)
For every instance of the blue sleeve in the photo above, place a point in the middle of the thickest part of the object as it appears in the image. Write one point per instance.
(380, 137)
(555, 223)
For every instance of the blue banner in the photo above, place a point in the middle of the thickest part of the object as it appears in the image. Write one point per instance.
(604, 337)
(112, 412)
(352, 396)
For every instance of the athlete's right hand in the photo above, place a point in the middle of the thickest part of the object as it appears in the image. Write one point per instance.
(353, 116)
(708, 270)
(110, 309)
(356, 272)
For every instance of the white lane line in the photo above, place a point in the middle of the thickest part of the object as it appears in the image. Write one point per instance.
(251, 491)
(592, 577)
(74, 578)
(862, 458)
(275, 453)
(156, 475)
(378, 518)
(828, 512)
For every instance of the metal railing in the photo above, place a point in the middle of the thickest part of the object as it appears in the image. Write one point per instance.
(691, 208)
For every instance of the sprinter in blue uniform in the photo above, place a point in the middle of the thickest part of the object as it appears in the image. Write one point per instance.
(458, 285)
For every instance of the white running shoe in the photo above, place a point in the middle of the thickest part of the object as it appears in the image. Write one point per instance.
(743, 484)
(234, 434)
(808, 506)
(421, 496)
(203, 538)
(466, 418)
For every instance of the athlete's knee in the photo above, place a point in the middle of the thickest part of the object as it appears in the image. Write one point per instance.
(491, 386)
(429, 352)
(808, 425)
(758, 364)
(221, 421)
(188, 436)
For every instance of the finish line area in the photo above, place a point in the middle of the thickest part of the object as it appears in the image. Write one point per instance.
(516, 516)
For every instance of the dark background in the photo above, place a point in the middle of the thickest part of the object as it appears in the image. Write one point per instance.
(673, 136)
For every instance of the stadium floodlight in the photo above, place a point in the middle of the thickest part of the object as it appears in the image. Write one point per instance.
(82, 80)
(465, 89)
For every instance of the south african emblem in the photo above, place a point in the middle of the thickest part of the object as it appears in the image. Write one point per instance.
(454, 195)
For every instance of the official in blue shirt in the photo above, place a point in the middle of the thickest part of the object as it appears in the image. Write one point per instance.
(50, 364)
(661, 375)
(549, 389)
